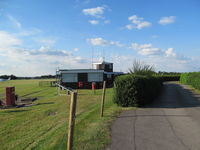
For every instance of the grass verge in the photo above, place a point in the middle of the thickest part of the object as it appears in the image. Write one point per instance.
(44, 125)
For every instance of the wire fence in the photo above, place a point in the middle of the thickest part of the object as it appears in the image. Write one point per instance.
(47, 83)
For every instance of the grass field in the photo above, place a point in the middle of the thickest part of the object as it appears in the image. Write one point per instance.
(44, 125)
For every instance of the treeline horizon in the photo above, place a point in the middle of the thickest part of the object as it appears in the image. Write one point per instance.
(13, 77)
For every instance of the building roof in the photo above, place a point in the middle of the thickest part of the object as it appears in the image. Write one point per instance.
(79, 71)
(102, 62)
(115, 73)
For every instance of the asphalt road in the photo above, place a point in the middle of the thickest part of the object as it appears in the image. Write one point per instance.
(172, 122)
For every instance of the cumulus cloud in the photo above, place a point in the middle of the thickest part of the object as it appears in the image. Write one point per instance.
(143, 25)
(137, 22)
(170, 52)
(167, 20)
(149, 50)
(30, 62)
(161, 62)
(48, 51)
(95, 12)
(98, 14)
(146, 49)
(93, 22)
(102, 42)
(129, 26)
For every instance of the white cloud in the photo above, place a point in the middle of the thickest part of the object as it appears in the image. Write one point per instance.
(137, 22)
(169, 52)
(129, 26)
(30, 62)
(48, 51)
(93, 22)
(8, 40)
(143, 25)
(146, 49)
(161, 63)
(14, 21)
(167, 20)
(102, 42)
(153, 52)
(95, 12)
(98, 42)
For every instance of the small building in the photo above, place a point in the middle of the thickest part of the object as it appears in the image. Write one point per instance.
(106, 66)
(83, 78)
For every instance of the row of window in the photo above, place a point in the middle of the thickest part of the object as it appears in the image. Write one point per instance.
(91, 77)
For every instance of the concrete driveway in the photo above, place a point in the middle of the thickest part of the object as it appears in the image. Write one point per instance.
(172, 122)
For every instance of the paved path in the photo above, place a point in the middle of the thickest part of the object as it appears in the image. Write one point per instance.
(172, 122)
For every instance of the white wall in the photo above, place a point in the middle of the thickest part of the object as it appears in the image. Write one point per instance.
(69, 77)
(95, 77)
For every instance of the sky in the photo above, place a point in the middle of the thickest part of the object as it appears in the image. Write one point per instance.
(39, 36)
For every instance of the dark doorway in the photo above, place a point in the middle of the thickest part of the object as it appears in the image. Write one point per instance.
(82, 77)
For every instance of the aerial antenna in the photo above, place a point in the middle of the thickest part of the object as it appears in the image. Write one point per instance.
(103, 55)
(92, 56)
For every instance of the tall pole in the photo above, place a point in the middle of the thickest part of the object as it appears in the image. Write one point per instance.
(72, 115)
(103, 98)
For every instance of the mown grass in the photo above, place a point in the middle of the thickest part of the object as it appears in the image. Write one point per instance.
(44, 125)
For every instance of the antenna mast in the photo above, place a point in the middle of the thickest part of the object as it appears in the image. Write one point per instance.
(92, 56)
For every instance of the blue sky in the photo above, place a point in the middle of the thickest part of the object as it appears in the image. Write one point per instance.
(36, 37)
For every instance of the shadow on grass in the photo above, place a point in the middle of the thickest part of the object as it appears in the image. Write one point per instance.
(45, 103)
(14, 111)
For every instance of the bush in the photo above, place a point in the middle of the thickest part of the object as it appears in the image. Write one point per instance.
(192, 79)
(134, 90)
(164, 78)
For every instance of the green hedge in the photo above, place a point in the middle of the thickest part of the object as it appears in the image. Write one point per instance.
(169, 77)
(192, 79)
(134, 90)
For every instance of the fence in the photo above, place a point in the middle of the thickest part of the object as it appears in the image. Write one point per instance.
(47, 83)
(72, 113)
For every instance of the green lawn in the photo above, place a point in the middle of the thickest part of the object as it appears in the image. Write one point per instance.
(44, 125)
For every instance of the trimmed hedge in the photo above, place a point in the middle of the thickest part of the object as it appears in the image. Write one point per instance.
(168, 77)
(134, 90)
(192, 79)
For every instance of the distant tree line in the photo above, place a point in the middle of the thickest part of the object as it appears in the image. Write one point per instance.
(13, 77)
(169, 73)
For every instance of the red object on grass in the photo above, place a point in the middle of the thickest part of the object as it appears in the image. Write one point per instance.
(10, 96)
(80, 84)
(93, 85)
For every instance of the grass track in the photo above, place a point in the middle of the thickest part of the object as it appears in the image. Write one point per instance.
(34, 127)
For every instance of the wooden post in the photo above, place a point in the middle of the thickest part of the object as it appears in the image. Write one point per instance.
(72, 116)
(103, 98)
